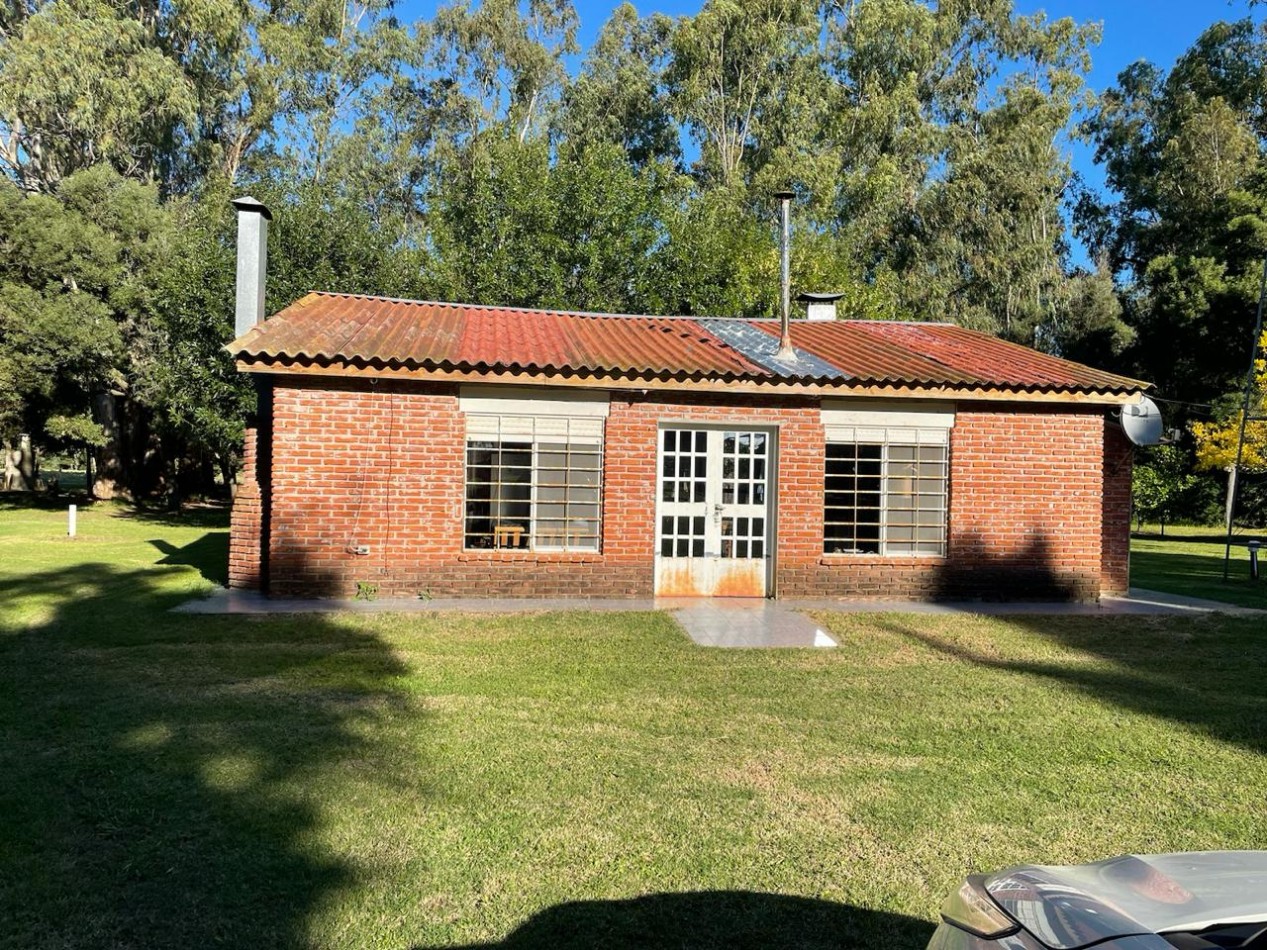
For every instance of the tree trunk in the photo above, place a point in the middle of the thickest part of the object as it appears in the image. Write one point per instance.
(26, 462)
(109, 482)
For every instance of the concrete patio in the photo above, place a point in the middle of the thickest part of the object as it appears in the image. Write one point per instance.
(720, 622)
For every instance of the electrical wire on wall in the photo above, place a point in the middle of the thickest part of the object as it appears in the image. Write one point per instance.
(388, 485)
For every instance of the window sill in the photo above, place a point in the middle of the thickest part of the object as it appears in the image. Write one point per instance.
(849, 560)
(534, 557)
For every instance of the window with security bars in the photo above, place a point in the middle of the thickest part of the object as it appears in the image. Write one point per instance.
(533, 484)
(885, 498)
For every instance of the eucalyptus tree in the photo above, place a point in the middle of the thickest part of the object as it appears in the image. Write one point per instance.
(1185, 225)
(620, 93)
(172, 93)
(951, 122)
(733, 68)
(501, 63)
(84, 82)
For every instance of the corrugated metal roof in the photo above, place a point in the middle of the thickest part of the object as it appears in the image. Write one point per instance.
(979, 355)
(867, 358)
(339, 327)
(763, 349)
(329, 329)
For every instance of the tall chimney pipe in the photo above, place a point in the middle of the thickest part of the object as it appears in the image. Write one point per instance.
(253, 218)
(785, 267)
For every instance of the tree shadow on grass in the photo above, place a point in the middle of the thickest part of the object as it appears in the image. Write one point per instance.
(1205, 672)
(209, 555)
(163, 778)
(42, 501)
(713, 919)
(203, 515)
(1200, 574)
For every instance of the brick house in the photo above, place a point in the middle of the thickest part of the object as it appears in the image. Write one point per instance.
(462, 450)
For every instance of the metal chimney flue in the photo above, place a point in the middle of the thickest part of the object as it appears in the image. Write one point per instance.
(786, 352)
(252, 263)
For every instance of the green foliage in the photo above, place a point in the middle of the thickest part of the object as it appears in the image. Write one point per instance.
(77, 430)
(512, 226)
(619, 96)
(366, 590)
(1187, 229)
(76, 276)
(500, 63)
(1159, 482)
(178, 92)
(81, 83)
(321, 239)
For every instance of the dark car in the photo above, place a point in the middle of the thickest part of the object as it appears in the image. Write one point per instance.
(1194, 901)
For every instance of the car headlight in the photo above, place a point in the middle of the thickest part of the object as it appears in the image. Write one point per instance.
(971, 909)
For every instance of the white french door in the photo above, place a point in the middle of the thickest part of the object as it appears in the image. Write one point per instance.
(713, 528)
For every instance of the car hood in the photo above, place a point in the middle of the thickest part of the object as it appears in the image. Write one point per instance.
(1072, 907)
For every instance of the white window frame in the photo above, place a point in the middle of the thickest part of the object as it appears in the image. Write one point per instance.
(896, 424)
(506, 416)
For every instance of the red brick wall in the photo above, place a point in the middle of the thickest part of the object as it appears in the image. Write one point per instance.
(246, 523)
(382, 466)
(1025, 503)
(1115, 556)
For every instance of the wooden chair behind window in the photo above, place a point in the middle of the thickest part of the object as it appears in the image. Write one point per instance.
(508, 536)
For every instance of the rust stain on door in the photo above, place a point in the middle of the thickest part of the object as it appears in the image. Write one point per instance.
(710, 577)
(675, 578)
(741, 579)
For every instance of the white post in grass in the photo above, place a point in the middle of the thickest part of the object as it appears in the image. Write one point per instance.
(70, 520)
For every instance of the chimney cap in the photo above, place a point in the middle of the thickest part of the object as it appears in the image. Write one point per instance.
(247, 203)
(784, 194)
(828, 297)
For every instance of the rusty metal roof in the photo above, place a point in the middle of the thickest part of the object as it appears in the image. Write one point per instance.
(330, 329)
(370, 330)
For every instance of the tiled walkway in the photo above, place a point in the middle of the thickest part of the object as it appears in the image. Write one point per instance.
(717, 622)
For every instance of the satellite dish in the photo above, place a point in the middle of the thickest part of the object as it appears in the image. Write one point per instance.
(1142, 422)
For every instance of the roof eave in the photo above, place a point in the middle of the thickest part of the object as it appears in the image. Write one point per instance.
(644, 379)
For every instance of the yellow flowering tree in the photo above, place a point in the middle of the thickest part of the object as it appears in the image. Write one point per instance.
(1216, 441)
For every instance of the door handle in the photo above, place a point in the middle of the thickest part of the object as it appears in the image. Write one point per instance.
(717, 511)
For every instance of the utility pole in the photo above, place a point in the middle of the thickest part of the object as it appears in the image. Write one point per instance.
(1234, 476)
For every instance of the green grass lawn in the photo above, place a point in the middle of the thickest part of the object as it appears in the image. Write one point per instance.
(1189, 561)
(568, 779)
